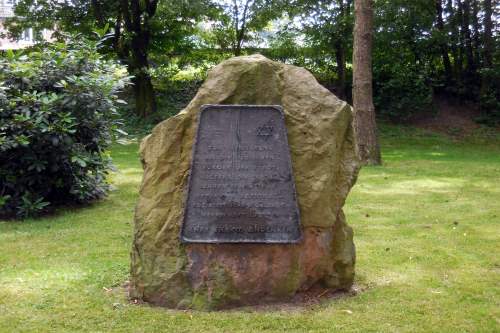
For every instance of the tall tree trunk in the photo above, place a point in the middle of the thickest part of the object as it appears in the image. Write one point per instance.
(469, 55)
(488, 36)
(453, 27)
(237, 48)
(476, 36)
(340, 50)
(488, 45)
(240, 27)
(145, 98)
(461, 40)
(136, 17)
(341, 68)
(444, 46)
(238, 41)
(364, 110)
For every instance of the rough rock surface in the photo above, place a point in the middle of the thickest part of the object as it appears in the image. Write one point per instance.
(325, 165)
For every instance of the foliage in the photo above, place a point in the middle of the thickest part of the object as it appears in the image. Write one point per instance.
(412, 44)
(58, 114)
(402, 85)
(411, 51)
(175, 87)
(239, 21)
(130, 29)
(328, 28)
(400, 93)
(40, 15)
(489, 101)
(325, 22)
(170, 26)
(454, 44)
(283, 46)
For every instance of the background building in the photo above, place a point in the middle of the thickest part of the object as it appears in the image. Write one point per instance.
(26, 39)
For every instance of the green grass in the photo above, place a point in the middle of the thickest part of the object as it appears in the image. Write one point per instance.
(426, 228)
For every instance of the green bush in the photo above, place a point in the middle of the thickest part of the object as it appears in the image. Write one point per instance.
(401, 92)
(58, 113)
(489, 97)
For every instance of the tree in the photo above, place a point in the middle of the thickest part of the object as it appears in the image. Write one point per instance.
(443, 42)
(488, 35)
(136, 18)
(477, 35)
(454, 39)
(134, 28)
(469, 53)
(487, 89)
(239, 20)
(340, 44)
(328, 27)
(364, 110)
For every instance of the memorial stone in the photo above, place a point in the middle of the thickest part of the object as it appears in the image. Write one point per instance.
(218, 222)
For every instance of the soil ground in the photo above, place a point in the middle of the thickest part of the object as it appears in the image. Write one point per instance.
(451, 117)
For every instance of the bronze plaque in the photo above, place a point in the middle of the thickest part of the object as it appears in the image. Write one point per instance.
(241, 187)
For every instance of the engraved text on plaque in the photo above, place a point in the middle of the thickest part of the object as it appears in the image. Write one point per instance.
(241, 186)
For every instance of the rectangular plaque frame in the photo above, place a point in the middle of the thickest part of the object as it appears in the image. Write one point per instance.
(223, 215)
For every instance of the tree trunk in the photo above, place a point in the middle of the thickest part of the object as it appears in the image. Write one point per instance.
(240, 34)
(364, 110)
(341, 68)
(340, 50)
(453, 27)
(136, 19)
(240, 27)
(476, 36)
(488, 45)
(488, 36)
(237, 48)
(461, 41)
(469, 55)
(145, 99)
(444, 47)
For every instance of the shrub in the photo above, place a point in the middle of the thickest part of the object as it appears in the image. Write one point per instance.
(58, 113)
(401, 92)
(489, 97)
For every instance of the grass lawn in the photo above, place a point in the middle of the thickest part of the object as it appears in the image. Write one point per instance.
(426, 228)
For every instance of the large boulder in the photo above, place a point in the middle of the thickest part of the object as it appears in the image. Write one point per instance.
(325, 165)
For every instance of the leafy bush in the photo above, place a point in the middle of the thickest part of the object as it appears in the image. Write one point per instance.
(489, 97)
(401, 92)
(58, 113)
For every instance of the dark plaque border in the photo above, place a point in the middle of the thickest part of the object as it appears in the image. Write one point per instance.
(203, 108)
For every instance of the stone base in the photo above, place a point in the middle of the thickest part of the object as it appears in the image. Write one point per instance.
(225, 275)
